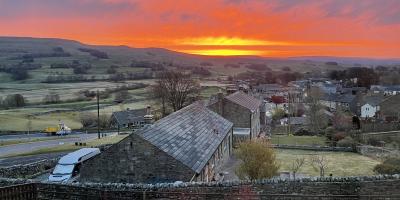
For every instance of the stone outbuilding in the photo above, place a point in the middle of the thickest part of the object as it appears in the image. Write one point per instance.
(131, 118)
(188, 145)
(241, 109)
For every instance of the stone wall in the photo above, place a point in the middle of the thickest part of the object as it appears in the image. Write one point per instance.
(377, 152)
(134, 160)
(28, 170)
(367, 126)
(313, 148)
(382, 187)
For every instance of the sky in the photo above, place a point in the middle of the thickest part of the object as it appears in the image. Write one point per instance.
(271, 28)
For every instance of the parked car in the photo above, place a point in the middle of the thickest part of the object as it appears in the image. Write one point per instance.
(68, 167)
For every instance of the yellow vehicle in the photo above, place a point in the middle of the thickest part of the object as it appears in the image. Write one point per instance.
(61, 129)
(51, 130)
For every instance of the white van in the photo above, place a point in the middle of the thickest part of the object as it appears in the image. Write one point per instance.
(68, 167)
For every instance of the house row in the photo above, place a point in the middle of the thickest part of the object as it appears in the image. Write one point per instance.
(385, 90)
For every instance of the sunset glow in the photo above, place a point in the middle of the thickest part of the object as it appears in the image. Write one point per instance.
(276, 28)
(227, 41)
(224, 52)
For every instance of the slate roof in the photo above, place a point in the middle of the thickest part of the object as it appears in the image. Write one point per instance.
(269, 87)
(129, 116)
(190, 135)
(373, 100)
(244, 100)
(344, 98)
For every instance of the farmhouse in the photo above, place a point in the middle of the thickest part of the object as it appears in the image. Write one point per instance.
(241, 109)
(131, 118)
(188, 145)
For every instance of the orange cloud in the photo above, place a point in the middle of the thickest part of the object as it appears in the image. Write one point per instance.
(267, 28)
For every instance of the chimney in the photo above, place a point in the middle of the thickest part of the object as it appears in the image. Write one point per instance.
(148, 118)
(148, 110)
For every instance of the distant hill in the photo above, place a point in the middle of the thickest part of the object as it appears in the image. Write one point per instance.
(349, 60)
(48, 51)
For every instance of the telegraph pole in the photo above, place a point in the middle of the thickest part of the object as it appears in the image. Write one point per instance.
(98, 115)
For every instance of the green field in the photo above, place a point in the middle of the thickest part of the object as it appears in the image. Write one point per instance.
(338, 163)
(71, 147)
(298, 140)
(42, 116)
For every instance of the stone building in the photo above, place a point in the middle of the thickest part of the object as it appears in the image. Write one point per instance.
(188, 145)
(131, 118)
(241, 109)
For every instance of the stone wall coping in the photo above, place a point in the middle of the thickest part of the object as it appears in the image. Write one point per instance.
(129, 186)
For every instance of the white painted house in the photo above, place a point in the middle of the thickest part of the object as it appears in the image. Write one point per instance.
(368, 110)
(370, 106)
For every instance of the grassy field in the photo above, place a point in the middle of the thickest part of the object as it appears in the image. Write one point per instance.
(338, 163)
(298, 140)
(42, 116)
(71, 147)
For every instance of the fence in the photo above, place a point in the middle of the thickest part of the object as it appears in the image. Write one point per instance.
(313, 148)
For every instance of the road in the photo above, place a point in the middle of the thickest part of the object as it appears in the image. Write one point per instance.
(28, 147)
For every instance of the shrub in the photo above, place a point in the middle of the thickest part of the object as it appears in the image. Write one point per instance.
(338, 136)
(303, 132)
(347, 142)
(389, 166)
(259, 160)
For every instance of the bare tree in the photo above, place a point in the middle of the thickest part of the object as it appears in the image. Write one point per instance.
(175, 89)
(319, 163)
(52, 97)
(296, 166)
(104, 120)
(87, 119)
(122, 96)
(316, 119)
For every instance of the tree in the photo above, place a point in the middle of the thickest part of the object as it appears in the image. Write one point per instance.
(278, 113)
(315, 117)
(319, 163)
(104, 121)
(389, 166)
(259, 160)
(176, 89)
(121, 96)
(88, 119)
(341, 120)
(52, 97)
(296, 166)
(14, 100)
